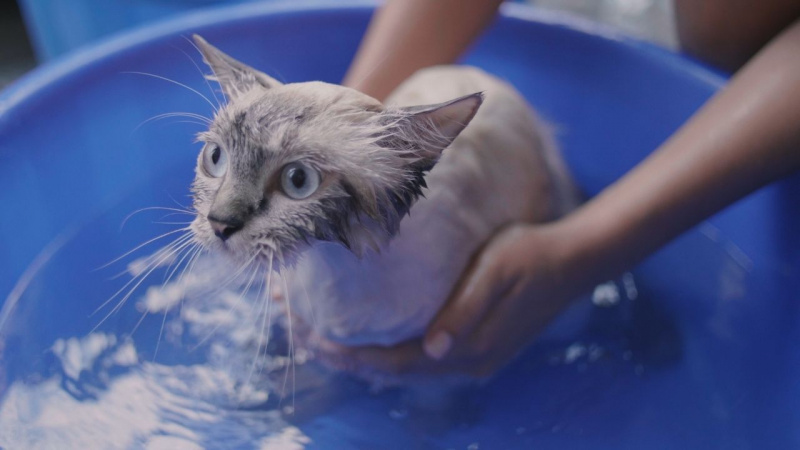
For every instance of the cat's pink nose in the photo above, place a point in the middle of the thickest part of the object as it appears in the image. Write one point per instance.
(224, 229)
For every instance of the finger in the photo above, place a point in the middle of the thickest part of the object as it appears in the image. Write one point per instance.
(332, 354)
(464, 310)
(405, 357)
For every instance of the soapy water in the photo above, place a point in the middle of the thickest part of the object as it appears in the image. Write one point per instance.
(106, 394)
(193, 364)
(152, 405)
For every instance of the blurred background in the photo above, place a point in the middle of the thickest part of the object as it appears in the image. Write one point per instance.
(16, 53)
(36, 31)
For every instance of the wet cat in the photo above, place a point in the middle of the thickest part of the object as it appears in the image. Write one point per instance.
(372, 211)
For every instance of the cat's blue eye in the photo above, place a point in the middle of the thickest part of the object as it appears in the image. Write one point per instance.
(215, 160)
(299, 181)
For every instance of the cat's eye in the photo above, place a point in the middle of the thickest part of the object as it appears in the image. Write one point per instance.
(215, 160)
(299, 181)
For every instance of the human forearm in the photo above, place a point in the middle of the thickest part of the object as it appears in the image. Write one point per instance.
(727, 34)
(747, 136)
(407, 35)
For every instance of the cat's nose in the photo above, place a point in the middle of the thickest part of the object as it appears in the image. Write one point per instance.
(224, 228)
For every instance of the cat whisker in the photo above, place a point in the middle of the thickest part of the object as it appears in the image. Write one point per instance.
(261, 302)
(246, 289)
(219, 288)
(174, 214)
(187, 269)
(172, 223)
(179, 114)
(175, 247)
(149, 261)
(128, 270)
(139, 322)
(198, 250)
(177, 83)
(152, 208)
(153, 266)
(291, 365)
(184, 253)
(199, 120)
(255, 321)
(266, 322)
(166, 310)
(182, 206)
(168, 278)
(160, 334)
(192, 122)
(119, 274)
(310, 305)
(186, 230)
(231, 278)
(152, 263)
(190, 115)
(250, 281)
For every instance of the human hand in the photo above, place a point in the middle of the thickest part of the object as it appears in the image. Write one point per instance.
(521, 279)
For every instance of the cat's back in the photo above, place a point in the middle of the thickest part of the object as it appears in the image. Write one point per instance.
(506, 149)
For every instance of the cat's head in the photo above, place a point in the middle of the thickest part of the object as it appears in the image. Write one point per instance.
(284, 164)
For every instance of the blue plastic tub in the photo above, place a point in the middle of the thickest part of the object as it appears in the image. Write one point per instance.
(59, 26)
(700, 352)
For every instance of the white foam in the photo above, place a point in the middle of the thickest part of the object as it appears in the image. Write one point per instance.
(573, 352)
(77, 355)
(131, 403)
(152, 406)
(606, 295)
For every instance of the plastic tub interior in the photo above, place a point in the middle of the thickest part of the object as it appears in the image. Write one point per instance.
(700, 351)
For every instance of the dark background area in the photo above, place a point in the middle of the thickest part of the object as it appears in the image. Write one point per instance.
(16, 53)
(647, 19)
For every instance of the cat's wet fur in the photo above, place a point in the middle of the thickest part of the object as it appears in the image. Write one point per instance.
(371, 159)
(362, 271)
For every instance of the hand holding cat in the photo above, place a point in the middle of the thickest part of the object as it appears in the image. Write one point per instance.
(519, 281)
(525, 275)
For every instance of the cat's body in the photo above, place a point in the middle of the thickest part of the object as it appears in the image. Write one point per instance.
(502, 168)
(327, 181)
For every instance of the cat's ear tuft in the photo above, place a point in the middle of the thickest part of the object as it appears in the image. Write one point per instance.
(233, 76)
(432, 128)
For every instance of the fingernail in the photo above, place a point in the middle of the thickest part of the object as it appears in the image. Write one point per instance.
(438, 346)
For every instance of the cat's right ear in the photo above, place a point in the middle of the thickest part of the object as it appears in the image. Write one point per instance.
(430, 129)
(234, 77)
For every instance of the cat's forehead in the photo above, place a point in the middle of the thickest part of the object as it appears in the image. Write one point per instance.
(268, 120)
(293, 102)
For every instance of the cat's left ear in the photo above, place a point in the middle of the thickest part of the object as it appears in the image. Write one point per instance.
(233, 76)
(417, 135)
(432, 128)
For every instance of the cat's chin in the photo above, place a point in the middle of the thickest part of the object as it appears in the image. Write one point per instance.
(266, 256)
(231, 253)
